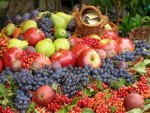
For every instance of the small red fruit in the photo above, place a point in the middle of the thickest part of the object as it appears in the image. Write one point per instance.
(92, 42)
(44, 95)
(133, 100)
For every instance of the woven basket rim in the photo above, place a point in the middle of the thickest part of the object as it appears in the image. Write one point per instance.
(96, 10)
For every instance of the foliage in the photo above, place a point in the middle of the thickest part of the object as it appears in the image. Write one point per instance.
(103, 4)
(137, 7)
(130, 22)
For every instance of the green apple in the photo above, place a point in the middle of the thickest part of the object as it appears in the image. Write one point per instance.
(60, 33)
(46, 47)
(28, 24)
(17, 43)
(61, 43)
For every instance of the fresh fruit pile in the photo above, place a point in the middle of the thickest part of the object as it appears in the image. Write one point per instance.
(46, 68)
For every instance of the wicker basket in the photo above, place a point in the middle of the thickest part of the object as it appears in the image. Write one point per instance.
(114, 27)
(84, 29)
(141, 33)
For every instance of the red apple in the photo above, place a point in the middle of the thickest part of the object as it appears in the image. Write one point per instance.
(1, 65)
(11, 55)
(89, 57)
(110, 35)
(44, 95)
(65, 57)
(33, 36)
(42, 60)
(133, 100)
(78, 48)
(125, 44)
(74, 40)
(109, 45)
(102, 53)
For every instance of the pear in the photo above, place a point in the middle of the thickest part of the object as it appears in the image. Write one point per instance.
(9, 29)
(67, 17)
(59, 22)
(40, 14)
(45, 47)
(14, 42)
(28, 24)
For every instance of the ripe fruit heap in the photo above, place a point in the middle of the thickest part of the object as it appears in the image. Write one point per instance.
(46, 68)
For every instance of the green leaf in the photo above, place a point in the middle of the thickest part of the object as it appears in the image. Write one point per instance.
(74, 101)
(3, 90)
(89, 92)
(87, 110)
(138, 110)
(5, 102)
(146, 62)
(70, 107)
(118, 84)
(36, 111)
(62, 111)
(147, 101)
(108, 95)
(113, 108)
(99, 84)
(31, 107)
(55, 86)
(106, 90)
(146, 107)
(141, 70)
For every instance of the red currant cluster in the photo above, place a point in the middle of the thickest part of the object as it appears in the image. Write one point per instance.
(105, 103)
(59, 101)
(76, 109)
(102, 102)
(27, 59)
(3, 46)
(6, 110)
(92, 42)
(148, 71)
(94, 86)
(140, 87)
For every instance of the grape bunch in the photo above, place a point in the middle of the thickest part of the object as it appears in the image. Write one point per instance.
(46, 24)
(141, 48)
(3, 46)
(21, 101)
(109, 72)
(71, 79)
(5, 75)
(26, 16)
(125, 56)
